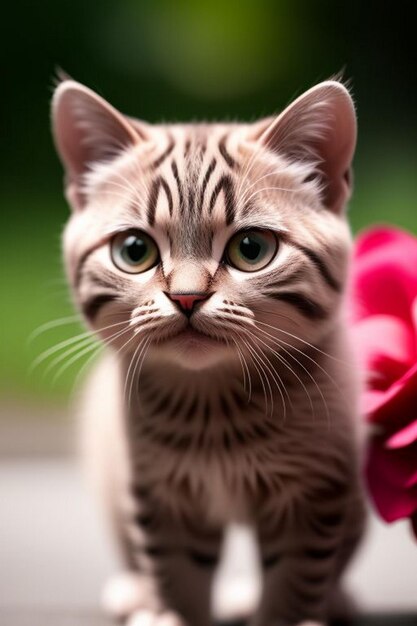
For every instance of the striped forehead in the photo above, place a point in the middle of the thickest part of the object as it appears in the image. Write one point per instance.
(193, 182)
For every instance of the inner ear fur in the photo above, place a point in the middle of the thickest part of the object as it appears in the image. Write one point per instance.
(86, 130)
(318, 127)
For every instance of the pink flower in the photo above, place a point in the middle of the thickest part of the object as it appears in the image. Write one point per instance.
(384, 302)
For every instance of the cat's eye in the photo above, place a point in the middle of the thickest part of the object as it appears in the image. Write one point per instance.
(133, 251)
(251, 250)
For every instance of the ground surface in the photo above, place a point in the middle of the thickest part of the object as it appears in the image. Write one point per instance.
(72, 618)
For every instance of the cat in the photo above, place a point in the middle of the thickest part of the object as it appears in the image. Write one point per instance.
(211, 260)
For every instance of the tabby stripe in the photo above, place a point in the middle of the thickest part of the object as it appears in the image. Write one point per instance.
(270, 560)
(99, 281)
(153, 198)
(306, 596)
(91, 307)
(164, 155)
(191, 411)
(298, 274)
(80, 267)
(163, 402)
(179, 185)
(202, 559)
(154, 552)
(320, 554)
(320, 265)
(225, 184)
(141, 492)
(178, 405)
(225, 407)
(144, 520)
(306, 306)
(206, 179)
(225, 154)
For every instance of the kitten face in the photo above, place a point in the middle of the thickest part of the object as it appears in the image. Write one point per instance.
(198, 243)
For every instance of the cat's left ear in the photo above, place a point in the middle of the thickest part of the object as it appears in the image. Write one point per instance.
(318, 127)
(87, 130)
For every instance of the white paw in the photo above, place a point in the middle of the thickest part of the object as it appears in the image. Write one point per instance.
(310, 624)
(127, 592)
(151, 618)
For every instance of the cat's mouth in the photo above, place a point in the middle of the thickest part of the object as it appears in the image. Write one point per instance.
(192, 335)
(193, 338)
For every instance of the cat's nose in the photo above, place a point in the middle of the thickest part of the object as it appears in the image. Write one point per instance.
(186, 301)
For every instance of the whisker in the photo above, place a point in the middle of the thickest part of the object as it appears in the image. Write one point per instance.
(245, 370)
(278, 383)
(86, 350)
(275, 172)
(88, 341)
(66, 342)
(279, 342)
(127, 379)
(254, 193)
(246, 197)
(281, 315)
(286, 364)
(310, 345)
(140, 362)
(99, 348)
(280, 358)
(249, 166)
(143, 345)
(72, 360)
(62, 321)
(262, 376)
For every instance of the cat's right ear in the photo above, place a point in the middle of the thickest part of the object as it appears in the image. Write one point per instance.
(87, 130)
(318, 127)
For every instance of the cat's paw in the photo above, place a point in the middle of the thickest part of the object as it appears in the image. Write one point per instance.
(310, 624)
(151, 618)
(128, 592)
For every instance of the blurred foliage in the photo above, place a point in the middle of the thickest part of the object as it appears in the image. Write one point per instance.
(161, 60)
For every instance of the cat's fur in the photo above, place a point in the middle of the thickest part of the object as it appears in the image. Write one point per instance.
(253, 417)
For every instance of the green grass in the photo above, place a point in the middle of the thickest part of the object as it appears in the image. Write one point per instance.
(35, 289)
(34, 286)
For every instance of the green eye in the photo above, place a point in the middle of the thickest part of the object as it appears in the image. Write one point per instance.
(251, 250)
(133, 251)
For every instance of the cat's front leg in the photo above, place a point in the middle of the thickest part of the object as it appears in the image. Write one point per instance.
(304, 549)
(174, 562)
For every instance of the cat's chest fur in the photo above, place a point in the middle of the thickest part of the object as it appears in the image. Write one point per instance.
(222, 453)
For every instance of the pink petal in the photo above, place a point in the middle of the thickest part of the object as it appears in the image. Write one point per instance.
(384, 273)
(397, 406)
(404, 437)
(412, 481)
(393, 356)
(414, 318)
(387, 479)
(378, 236)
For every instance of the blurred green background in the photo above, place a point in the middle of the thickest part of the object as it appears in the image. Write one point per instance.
(164, 60)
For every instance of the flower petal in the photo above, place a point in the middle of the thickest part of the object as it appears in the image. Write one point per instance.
(384, 273)
(385, 345)
(387, 476)
(397, 406)
(404, 437)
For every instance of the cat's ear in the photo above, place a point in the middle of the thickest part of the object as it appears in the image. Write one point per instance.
(86, 130)
(318, 127)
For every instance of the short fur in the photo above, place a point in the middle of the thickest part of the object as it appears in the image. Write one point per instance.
(252, 417)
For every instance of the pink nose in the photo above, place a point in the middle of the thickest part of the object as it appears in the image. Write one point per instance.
(186, 301)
